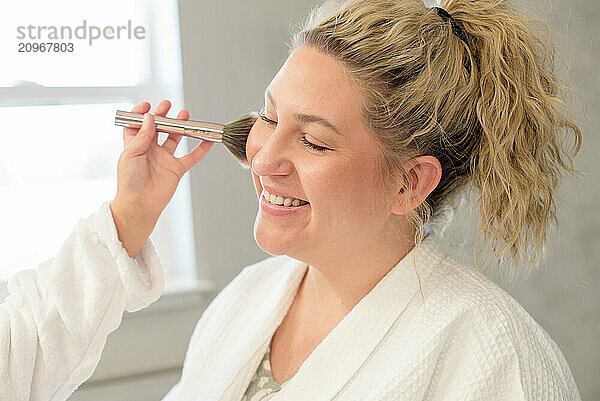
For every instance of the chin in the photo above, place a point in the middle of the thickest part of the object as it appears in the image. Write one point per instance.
(273, 242)
(271, 248)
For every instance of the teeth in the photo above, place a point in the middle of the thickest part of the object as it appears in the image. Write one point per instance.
(280, 200)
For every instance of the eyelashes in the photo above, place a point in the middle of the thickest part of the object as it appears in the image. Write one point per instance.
(303, 140)
(313, 146)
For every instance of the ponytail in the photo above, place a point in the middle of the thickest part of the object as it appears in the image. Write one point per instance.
(523, 123)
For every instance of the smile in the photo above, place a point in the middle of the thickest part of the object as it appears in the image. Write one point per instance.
(280, 200)
(280, 210)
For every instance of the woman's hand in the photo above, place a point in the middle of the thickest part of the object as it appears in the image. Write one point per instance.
(147, 177)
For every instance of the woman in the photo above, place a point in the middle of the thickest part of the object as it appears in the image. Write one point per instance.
(382, 113)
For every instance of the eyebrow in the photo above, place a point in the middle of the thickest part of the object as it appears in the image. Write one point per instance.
(306, 118)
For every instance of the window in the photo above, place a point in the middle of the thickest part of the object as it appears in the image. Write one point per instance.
(60, 148)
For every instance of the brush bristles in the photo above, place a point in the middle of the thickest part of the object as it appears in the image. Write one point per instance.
(235, 136)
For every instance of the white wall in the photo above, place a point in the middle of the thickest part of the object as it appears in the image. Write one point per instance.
(231, 51)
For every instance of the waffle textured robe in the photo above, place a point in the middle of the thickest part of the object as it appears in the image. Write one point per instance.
(55, 321)
(457, 336)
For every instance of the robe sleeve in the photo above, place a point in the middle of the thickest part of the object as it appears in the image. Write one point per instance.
(55, 321)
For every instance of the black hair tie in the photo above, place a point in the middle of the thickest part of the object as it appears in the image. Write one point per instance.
(456, 28)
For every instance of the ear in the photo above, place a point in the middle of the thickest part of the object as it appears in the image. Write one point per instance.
(425, 173)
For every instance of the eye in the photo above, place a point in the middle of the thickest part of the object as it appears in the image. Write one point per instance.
(303, 140)
(313, 146)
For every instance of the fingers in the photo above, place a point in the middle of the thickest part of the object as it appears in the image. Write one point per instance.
(130, 133)
(145, 137)
(147, 132)
(163, 108)
(172, 141)
(196, 155)
(141, 108)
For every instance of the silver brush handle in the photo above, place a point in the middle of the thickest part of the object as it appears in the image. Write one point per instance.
(190, 128)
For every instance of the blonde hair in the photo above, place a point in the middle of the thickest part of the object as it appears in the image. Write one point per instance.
(489, 111)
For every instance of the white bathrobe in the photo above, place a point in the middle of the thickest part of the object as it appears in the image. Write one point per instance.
(55, 321)
(459, 337)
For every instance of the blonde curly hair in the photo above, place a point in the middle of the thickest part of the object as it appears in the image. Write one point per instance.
(489, 110)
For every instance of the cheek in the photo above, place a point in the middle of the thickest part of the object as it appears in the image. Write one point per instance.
(334, 187)
(350, 191)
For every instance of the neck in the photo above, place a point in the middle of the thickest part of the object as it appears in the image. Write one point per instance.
(333, 285)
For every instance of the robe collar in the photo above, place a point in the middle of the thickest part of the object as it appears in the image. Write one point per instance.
(344, 350)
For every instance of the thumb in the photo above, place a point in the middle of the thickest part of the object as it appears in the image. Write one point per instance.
(144, 137)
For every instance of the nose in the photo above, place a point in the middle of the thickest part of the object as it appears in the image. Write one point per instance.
(272, 157)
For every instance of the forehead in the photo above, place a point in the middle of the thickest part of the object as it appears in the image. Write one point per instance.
(313, 83)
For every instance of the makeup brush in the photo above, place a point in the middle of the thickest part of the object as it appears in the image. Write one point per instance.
(233, 135)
